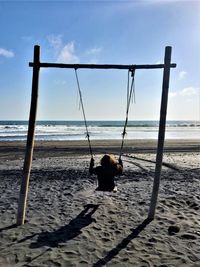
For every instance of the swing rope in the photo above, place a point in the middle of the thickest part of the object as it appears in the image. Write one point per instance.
(83, 110)
(130, 94)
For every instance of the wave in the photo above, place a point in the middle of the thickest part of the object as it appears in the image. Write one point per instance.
(75, 130)
(8, 125)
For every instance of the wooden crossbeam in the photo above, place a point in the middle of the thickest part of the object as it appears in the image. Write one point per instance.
(100, 66)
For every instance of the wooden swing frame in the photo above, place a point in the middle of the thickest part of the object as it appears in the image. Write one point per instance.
(36, 64)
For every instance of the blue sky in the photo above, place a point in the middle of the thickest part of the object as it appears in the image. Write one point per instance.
(110, 32)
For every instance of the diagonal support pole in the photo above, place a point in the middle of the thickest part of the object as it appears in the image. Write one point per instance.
(161, 135)
(30, 140)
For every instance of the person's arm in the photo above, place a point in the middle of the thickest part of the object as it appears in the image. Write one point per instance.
(91, 169)
(120, 166)
(120, 162)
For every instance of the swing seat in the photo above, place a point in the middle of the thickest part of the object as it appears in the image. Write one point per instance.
(106, 189)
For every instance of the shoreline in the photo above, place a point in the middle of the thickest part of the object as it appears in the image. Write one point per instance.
(13, 149)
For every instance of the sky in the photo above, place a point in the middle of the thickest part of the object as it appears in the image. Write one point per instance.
(99, 32)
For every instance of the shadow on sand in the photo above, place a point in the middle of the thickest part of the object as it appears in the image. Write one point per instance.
(73, 229)
(8, 227)
(67, 232)
(122, 245)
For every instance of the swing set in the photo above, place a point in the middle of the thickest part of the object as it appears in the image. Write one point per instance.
(36, 64)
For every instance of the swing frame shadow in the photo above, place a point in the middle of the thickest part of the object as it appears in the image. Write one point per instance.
(36, 64)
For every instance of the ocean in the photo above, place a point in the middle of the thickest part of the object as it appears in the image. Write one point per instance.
(98, 130)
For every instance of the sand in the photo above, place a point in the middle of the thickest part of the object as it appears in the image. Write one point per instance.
(70, 224)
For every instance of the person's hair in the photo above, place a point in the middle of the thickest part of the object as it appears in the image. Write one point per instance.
(108, 160)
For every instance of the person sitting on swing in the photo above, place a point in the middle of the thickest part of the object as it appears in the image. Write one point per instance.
(106, 172)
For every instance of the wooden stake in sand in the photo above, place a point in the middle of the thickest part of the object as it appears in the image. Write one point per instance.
(30, 139)
(161, 135)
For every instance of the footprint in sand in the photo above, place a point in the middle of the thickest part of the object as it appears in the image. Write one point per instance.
(173, 229)
(188, 236)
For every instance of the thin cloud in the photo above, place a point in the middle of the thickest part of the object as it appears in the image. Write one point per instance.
(55, 41)
(172, 94)
(67, 54)
(93, 51)
(6, 53)
(189, 91)
(185, 92)
(182, 74)
(92, 55)
(64, 52)
(93, 61)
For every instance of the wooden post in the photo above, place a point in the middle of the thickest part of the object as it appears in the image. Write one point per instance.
(161, 135)
(30, 139)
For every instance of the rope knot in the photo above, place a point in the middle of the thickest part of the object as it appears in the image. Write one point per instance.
(132, 72)
(87, 135)
(124, 133)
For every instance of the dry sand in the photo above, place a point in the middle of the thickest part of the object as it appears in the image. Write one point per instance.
(69, 224)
